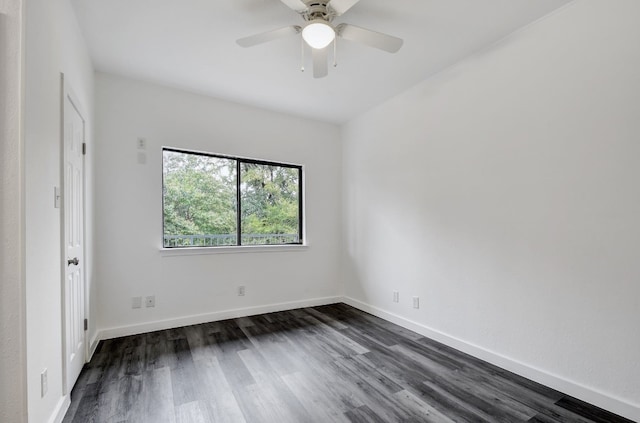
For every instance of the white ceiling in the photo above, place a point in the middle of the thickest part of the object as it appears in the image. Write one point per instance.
(190, 44)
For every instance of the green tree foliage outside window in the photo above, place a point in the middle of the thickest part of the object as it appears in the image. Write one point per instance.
(270, 202)
(200, 201)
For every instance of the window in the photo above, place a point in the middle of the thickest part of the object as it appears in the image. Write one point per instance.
(210, 200)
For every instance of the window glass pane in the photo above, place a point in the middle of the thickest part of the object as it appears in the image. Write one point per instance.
(270, 204)
(199, 200)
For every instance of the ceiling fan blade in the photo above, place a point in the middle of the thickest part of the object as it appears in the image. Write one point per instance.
(253, 40)
(371, 38)
(320, 65)
(341, 6)
(297, 5)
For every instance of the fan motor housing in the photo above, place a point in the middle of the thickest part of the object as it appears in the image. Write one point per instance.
(318, 10)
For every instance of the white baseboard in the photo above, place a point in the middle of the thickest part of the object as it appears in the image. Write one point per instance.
(61, 409)
(574, 389)
(93, 344)
(116, 332)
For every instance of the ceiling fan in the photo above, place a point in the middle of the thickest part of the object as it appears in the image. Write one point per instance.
(318, 32)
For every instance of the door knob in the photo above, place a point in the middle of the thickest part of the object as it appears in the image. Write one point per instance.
(73, 261)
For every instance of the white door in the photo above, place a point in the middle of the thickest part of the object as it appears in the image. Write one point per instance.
(73, 235)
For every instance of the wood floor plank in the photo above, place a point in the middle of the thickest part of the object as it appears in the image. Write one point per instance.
(277, 348)
(330, 363)
(226, 345)
(493, 401)
(522, 394)
(363, 414)
(317, 402)
(263, 403)
(376, 396)
(470, 361)
(327, 319)
(157, 403)
(416, 378)
(541, 418)
(216, 393)
(199, 342)
(184, 389)
(190, 412)
(157, 351)
(83, 408)
(260, 369)
(340, 341)
(420, 409)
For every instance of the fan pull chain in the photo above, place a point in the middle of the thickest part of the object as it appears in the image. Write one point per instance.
(302, 55)
(335, 52)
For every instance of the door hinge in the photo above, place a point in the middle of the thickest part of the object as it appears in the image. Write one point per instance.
(86, 324)
(84, 148)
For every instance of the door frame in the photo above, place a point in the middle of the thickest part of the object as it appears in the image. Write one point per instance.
(67, 92)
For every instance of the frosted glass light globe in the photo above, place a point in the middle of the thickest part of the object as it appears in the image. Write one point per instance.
(318, 34)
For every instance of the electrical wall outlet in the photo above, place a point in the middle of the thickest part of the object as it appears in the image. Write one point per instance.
(142, 143)
(136, 302)
(241, 291)
(416, 302)
(396, 296)
(150, 301)
(44, 383)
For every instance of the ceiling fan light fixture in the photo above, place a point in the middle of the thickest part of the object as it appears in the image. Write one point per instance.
(318, 34)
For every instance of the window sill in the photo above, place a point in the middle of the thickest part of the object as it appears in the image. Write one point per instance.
(195, 251)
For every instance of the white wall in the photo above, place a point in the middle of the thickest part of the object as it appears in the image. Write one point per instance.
(504, 193)
(53, 45)
(129, 209)
(12, 301)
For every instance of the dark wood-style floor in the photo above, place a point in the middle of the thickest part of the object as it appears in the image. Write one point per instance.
(322, 364)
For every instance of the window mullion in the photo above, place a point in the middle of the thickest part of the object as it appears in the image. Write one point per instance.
(300, 207)
(239, 206)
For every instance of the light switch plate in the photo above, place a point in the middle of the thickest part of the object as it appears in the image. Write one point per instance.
(136, 302)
